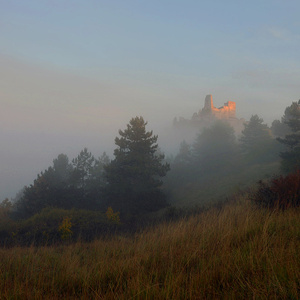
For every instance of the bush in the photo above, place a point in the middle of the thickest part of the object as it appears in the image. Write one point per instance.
(52, 225)
(281, 192)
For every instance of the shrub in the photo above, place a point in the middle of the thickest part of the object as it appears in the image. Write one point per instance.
(281, 192)
(113, 216)
(53, 225)
(65, 228)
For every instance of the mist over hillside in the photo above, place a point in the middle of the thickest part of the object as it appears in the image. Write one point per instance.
(27, 152)
(149, 149)
(72, 75)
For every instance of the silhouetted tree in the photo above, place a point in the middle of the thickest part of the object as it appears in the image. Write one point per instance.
(62, 169)
(5, 207)
(66, 185)
(134, 176)
(279, 129)
(291, 157)
(256, 141)
(83, 166)
(50, 188)
(215, 147)
(38, 195)
(181, 166)
(96, 183)
(184, 157)
(97, 177)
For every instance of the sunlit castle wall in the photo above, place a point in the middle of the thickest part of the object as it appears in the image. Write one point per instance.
(206, 117)
(224, 112)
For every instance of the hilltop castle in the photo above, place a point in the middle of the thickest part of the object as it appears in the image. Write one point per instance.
(225, 112)
(209, 114)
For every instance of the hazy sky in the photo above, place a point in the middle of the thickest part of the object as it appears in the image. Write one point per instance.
(73, 72)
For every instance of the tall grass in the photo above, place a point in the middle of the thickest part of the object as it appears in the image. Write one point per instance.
(236, 252)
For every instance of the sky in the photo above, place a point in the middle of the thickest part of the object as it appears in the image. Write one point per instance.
(74, 72)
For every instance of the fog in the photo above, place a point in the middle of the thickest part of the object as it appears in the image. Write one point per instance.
(45, 113)
(71, 77)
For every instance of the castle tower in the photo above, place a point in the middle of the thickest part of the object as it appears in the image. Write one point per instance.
(208, 104)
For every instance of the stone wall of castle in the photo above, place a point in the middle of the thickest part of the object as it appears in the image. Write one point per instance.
(209, 114)
(224, 112)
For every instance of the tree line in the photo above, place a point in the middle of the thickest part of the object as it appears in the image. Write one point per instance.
(217, 154)
(131, 184)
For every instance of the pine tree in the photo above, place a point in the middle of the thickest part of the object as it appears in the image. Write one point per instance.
(184, 157)
(83, 165)
(215, 148)
(134, 176)
(256, 141)
(291, 157)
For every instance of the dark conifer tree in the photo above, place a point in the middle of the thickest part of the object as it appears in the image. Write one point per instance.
(291, 157)
(256, 141)
(215, 148)
(134, 176)
(50, 189)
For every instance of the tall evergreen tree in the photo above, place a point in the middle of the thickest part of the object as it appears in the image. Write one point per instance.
(184, 157)
(83, 165)
(291, 157)
(50, 188)
(134, 176)
(279, 128)
(256, 141)
(215, 147)
(65, 185)
(88, 179)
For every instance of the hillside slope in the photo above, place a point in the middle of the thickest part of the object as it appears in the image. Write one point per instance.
(236, 252)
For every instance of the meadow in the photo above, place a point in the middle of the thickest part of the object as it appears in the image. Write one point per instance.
(237, 251)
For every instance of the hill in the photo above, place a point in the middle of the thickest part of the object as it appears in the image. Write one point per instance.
(237, 251)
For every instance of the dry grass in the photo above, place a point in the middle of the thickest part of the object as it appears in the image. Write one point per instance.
(238, 252)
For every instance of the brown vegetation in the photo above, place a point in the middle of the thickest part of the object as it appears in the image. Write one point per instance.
(237, 252)
(281, 192)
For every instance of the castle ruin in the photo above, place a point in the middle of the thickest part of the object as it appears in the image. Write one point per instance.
(209, 114)
(225, 112)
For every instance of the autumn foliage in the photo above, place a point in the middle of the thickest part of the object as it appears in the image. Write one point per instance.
(281, 192)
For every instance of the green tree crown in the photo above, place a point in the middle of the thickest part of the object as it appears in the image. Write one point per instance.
(291, 157)
(134, 176)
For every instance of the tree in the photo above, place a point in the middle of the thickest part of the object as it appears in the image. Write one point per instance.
(66, 185)
(291, 158)
(5, 207)
(184, 157)
(96, 183)
(134, 175)
(50, 188)
(292, 116)
(38, 195)
(62, 169)
(215, 148)
(97, 178)
(83, 166)
(279, 129)
(88, 179)
(256, 141)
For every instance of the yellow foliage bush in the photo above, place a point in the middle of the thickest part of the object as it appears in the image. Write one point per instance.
(112, 216)
(65, 228)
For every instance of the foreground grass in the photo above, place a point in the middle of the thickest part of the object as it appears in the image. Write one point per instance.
(238, 252)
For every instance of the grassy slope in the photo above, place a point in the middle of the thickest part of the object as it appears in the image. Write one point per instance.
(238, 252)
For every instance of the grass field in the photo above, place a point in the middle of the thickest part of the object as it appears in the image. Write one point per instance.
(237, 252)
